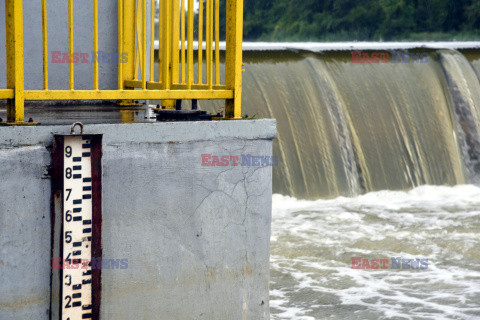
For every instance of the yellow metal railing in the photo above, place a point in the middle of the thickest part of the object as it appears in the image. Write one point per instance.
(176, 54)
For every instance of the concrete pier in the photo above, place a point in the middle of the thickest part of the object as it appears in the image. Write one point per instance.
(196, 237)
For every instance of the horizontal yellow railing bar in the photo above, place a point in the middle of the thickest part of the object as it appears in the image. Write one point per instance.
(159, 86)
(34, 95)
(6, 94)
(200, 87)
(151, 85)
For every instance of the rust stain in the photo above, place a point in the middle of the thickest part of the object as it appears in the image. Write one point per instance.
(247, 270)
(210, 274)
(231, 273)
(143, 288)
(22, 302)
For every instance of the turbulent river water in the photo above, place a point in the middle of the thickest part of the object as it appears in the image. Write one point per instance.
(313, 243)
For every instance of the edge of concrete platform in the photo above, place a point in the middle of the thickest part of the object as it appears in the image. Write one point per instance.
(158, 132)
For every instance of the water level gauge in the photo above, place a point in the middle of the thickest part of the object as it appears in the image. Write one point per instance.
(77, 252)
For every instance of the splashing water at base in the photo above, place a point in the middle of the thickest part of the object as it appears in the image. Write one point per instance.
(313, 243)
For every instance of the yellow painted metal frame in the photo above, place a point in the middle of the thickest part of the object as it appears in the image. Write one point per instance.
(233, 57)
(176, 56)
(14, 39)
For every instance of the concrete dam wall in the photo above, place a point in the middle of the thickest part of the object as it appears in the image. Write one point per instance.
(196, 238)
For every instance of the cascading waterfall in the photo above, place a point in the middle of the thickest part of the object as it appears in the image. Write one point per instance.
(348, 128)
(465, 94)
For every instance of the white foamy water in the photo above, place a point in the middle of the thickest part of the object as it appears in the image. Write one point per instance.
(313, 243)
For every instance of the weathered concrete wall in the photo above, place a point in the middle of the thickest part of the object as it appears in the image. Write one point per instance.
(196, 238)
(24, 232)
(57, 11)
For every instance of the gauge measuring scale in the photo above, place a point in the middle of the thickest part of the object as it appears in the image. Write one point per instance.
(77, 221)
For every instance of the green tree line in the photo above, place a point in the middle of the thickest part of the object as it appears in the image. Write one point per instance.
(347, 20)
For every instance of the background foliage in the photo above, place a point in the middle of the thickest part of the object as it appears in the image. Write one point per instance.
(347, 20)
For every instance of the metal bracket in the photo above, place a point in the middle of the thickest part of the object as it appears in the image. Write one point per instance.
(77, 124)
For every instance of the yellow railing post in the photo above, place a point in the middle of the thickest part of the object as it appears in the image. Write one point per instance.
(233, 59)
(161, 43)
(95, 44)
(190, 45)
(144, 45)
(152, 41)
(200, 41)
(168, 25)
(121, 24)
(129, 38)
(175, 40)
(14, 37)
(127, 45)
(45, 44)
(71, 65)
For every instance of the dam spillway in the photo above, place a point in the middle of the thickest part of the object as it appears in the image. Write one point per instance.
(348, 128)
